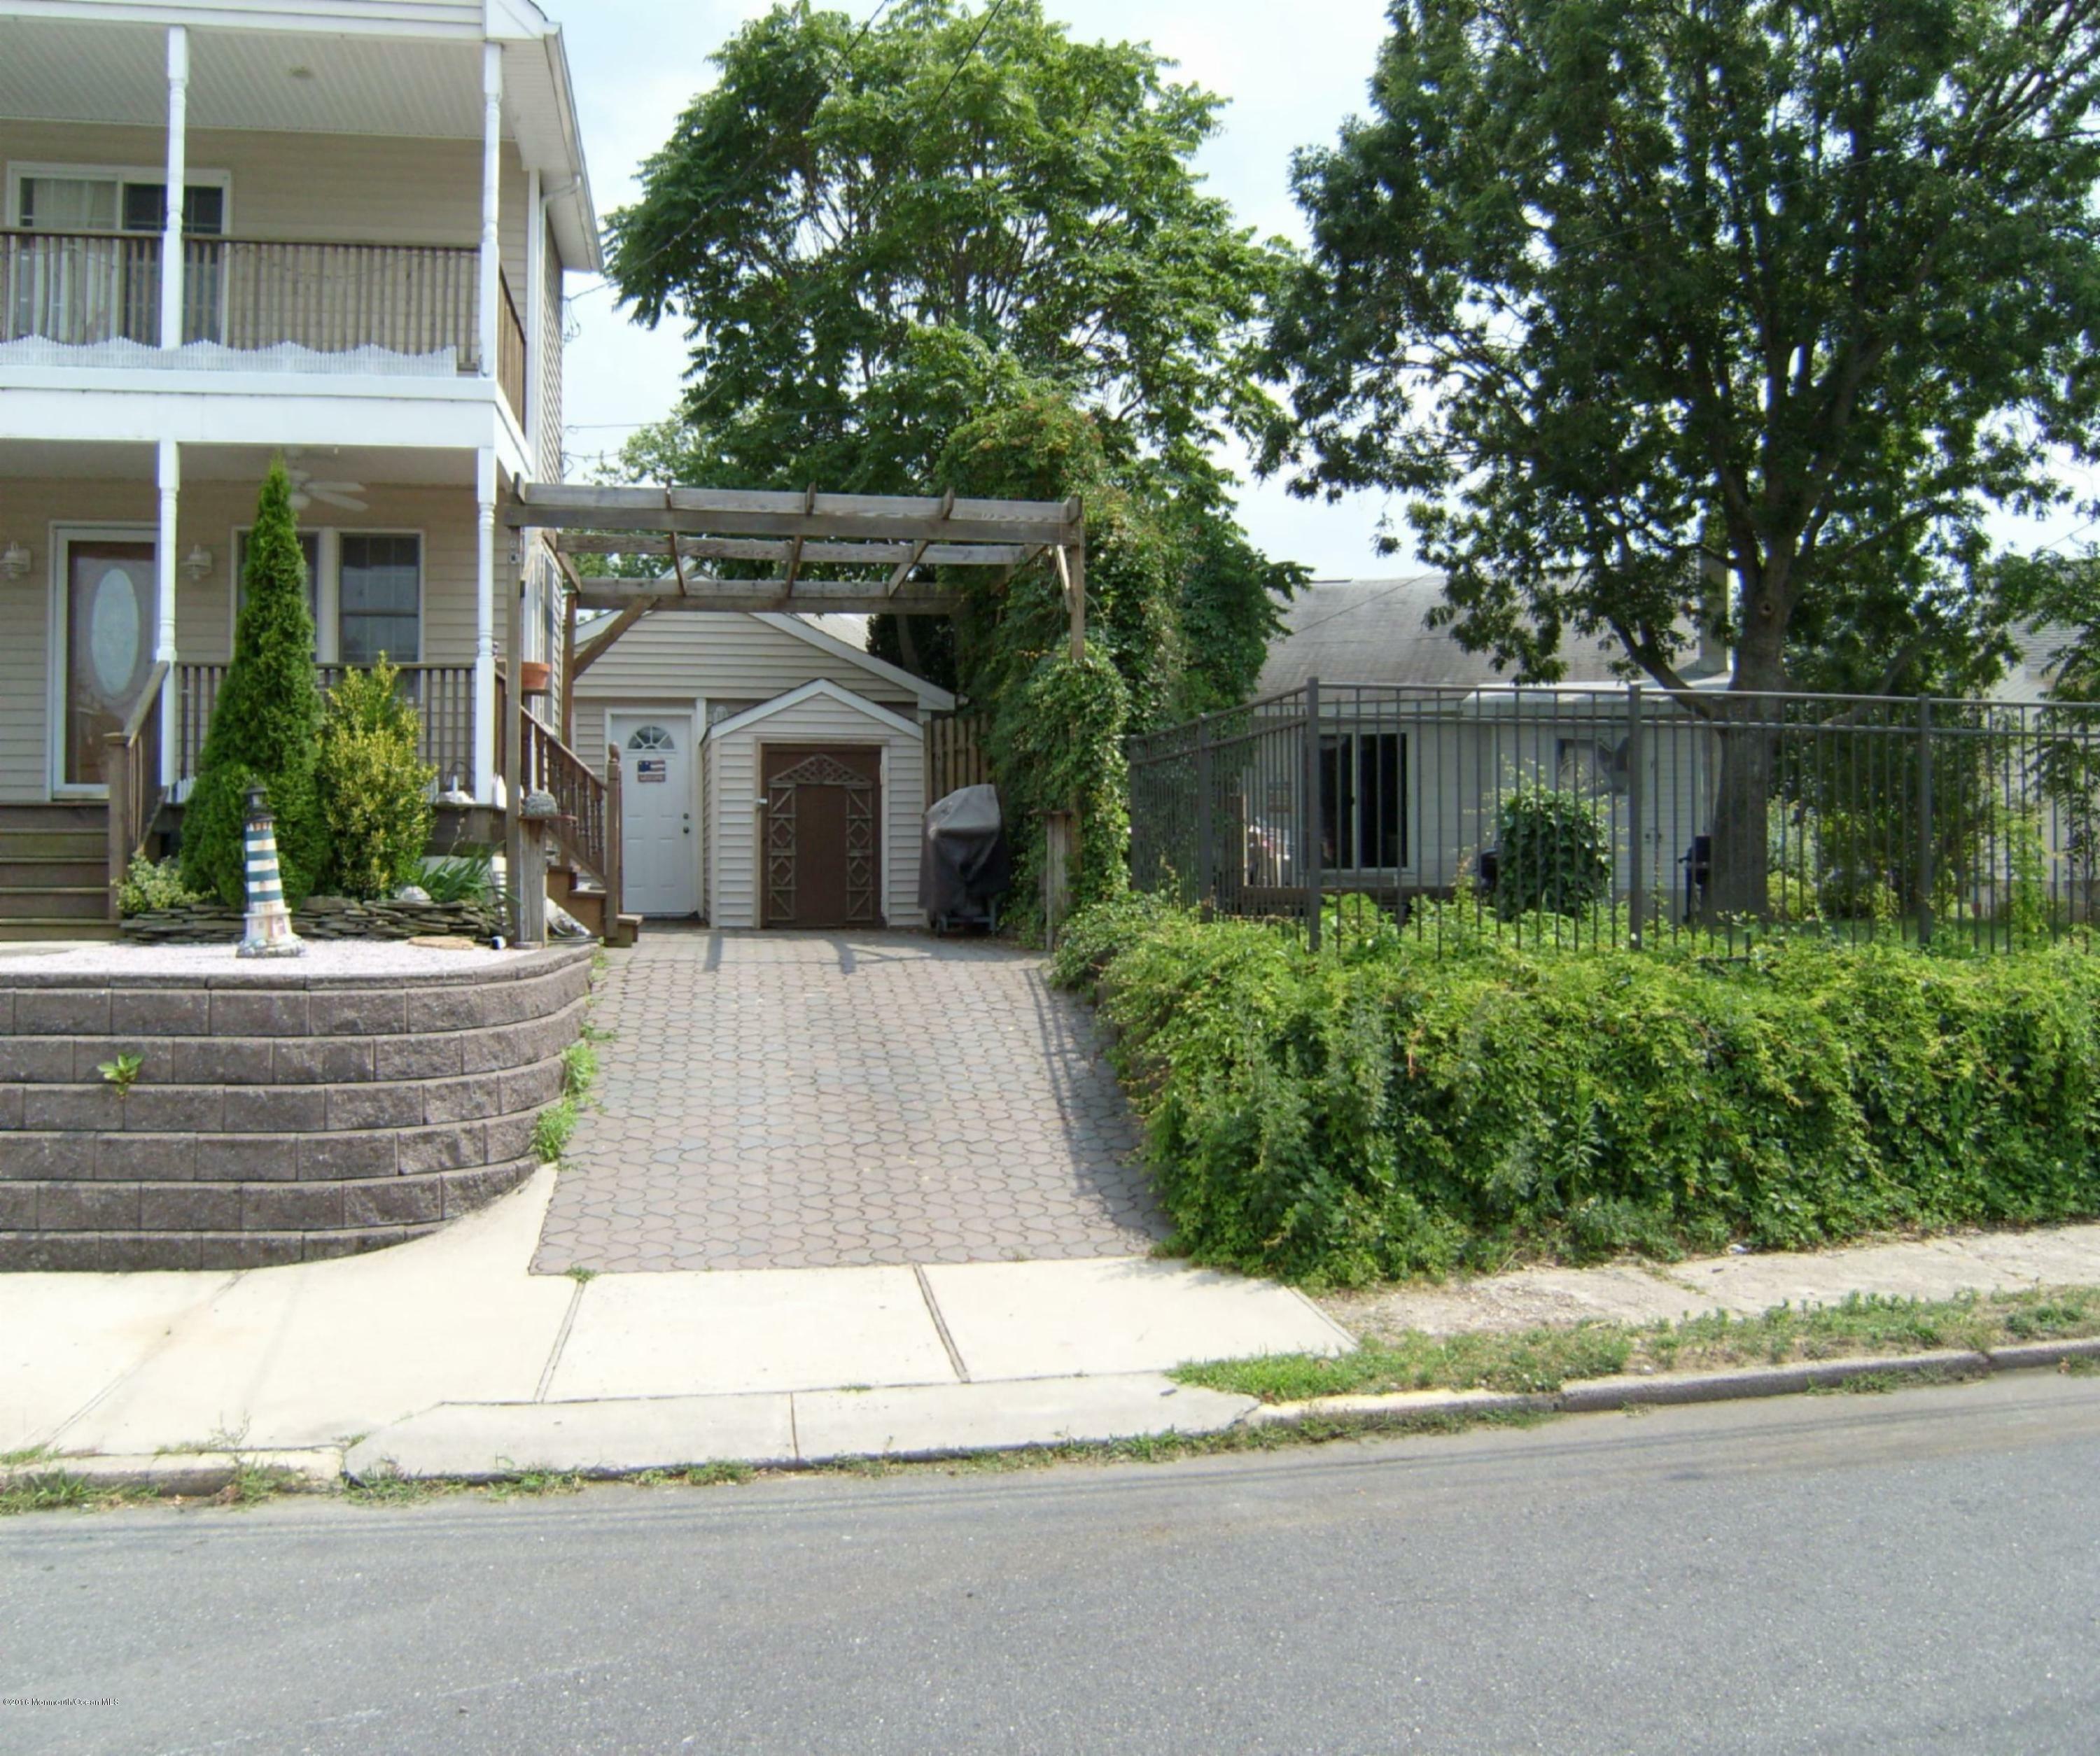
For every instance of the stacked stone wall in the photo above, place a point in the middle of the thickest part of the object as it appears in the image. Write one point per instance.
(273, 1118)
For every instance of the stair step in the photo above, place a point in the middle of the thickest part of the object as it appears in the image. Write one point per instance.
(54, 844)
(49, 929)
(38, 871)
(54, 903)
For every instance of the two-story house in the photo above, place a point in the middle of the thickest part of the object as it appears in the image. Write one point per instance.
(333, 229)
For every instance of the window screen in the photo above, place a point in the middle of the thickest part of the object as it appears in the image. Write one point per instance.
(381, 602)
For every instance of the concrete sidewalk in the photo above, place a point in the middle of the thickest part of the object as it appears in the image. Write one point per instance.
(328, 1354)
(446, 1357)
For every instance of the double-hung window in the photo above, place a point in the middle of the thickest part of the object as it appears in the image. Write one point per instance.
(380, 599)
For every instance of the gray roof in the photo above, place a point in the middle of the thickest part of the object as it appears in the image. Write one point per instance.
(1376, 631)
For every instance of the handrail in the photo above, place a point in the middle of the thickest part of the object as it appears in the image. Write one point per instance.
(546, 764)
(131, 768)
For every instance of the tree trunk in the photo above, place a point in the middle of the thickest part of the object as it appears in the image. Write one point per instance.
(1738, 884)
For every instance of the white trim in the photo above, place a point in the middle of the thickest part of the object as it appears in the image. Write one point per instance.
(491, 264)
(60, 534)
(810, 692)
(347, 18)
(930, 695)
(484, 626)
(175, 192)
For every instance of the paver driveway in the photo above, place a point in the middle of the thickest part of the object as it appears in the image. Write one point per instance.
(791, 1100)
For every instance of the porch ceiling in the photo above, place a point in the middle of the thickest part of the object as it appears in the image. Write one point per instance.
(403, 466)
(870, 549)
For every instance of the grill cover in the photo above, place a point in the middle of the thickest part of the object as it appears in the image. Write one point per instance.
(963, 864)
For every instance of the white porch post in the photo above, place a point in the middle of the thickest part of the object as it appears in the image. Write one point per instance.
(492, 197)
(531, 416)
(171, 237)
(484, 628)
(169, 473)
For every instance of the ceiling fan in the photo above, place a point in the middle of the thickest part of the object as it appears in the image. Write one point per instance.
(307, 490)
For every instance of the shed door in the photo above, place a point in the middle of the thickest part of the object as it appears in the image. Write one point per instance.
(821, 821)
(660, 867)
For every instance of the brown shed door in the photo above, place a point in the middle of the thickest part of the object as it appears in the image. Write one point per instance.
(821, 830)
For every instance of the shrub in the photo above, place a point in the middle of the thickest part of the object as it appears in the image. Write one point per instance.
(1346, 1118)
(1556, 853)
(374, 790)
(149, 885)
(265, 725)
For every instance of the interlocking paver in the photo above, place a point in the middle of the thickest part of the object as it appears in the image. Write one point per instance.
(786, 1101)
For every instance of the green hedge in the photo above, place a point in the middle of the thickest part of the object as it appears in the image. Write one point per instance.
(1397, 1109)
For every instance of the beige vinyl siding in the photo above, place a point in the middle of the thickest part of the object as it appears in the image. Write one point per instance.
(209, 514)
(684, 656)
(733, 791)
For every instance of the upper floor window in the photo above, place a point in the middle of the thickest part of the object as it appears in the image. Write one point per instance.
(90, 199)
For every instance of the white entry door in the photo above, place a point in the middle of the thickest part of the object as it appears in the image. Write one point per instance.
(659, 839)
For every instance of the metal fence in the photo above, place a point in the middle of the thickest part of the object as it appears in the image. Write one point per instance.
(1629, 815)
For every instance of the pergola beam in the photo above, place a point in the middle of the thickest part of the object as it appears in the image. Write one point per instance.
(820, 525)
(871, 555)
(764, 595)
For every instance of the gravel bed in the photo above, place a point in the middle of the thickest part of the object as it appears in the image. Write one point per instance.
(323, 959)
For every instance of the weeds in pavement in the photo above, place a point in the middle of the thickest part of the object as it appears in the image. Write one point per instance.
(1542, 1360)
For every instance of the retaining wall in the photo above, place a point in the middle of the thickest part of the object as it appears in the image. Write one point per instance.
(274, 1118)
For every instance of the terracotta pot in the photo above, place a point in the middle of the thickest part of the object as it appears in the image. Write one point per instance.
(534, 678)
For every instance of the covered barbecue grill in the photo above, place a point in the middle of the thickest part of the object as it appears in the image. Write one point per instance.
(964, 867)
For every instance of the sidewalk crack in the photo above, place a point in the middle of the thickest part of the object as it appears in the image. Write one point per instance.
(560, 1341)
(940, 1323)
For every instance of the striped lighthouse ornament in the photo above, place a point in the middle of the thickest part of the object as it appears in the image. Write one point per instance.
(269, 933)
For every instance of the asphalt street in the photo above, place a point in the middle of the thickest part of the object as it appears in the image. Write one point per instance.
(1913, 1572)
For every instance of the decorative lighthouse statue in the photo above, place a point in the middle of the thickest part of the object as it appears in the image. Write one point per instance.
(269, 932)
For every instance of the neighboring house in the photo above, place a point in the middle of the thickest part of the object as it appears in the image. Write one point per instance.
(364, 270)
(772, 771)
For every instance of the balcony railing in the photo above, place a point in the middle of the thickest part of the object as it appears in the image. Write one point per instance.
(419, 301)
(443, 694)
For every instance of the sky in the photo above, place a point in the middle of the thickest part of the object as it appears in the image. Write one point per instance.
(1292, 70)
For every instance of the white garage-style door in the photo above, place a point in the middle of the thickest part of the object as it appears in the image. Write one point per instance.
(658, 826)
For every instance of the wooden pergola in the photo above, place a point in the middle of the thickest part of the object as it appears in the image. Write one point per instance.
(858, 554)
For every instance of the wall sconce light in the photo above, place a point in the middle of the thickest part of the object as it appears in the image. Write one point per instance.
(197, 564)
(14, 562)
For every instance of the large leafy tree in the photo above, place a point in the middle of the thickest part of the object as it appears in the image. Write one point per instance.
(1617, 291)
(875, 233)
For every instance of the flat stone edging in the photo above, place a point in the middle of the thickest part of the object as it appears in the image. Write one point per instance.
(278, 1115)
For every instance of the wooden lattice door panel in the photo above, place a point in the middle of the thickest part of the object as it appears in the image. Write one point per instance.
(821, 835)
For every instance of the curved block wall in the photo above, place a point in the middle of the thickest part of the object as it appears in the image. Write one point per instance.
(274, 1119)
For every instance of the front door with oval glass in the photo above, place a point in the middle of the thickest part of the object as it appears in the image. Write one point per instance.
(108, 649)
(660, 853)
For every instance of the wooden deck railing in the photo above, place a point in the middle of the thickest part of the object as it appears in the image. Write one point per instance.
(443, 694)
(586, 831)
(248, 294)
(131, 767)
(511, 353)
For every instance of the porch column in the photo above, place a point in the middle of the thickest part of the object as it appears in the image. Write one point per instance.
(171, 236)
(484, 628)
(492, 197)
(530, 417)
(170, 474)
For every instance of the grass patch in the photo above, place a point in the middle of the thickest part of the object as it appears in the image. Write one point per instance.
(60, 1490)
(1542, 1360)
(558, 1122)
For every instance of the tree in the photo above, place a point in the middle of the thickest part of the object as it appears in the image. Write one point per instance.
(1798, 289)
(875, 233)
(375, 790)
(266, 724)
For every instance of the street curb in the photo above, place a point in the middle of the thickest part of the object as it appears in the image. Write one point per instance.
(186, 1474)
(1601, 1395)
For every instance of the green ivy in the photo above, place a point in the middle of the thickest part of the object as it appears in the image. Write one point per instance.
(1409, 1107)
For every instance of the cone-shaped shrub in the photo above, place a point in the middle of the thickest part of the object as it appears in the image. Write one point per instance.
(374, 790)
(265, 726)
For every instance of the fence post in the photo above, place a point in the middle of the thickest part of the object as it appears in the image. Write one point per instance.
(1924, 821)
(1636, 825)
(1206, 883)
(1309, 836)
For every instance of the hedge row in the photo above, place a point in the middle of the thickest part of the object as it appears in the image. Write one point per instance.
(1346, 1116)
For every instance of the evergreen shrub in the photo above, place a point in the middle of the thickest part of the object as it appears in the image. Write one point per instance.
(1461, 1101)
(374, 790)
(1556, 853)
(265, 725)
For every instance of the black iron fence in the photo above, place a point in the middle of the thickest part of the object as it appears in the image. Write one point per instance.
(1629, 814)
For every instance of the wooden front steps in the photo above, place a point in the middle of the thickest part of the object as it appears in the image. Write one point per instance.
(586, 902)
(54, 872)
